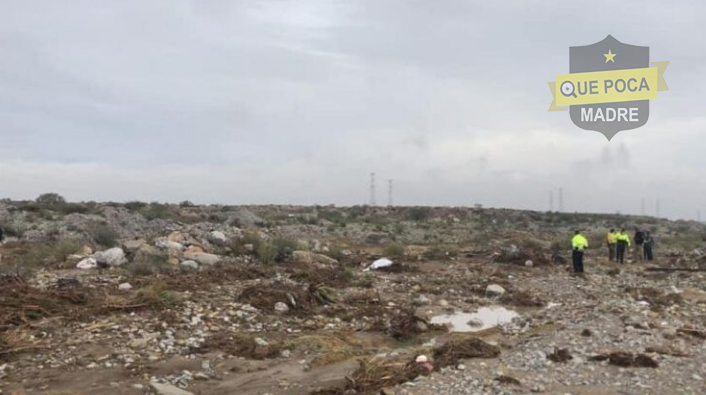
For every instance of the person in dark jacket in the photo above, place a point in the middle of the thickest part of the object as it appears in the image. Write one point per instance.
(647, 246)
(639, 241)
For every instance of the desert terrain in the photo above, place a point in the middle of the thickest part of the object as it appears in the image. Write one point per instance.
(177, 299)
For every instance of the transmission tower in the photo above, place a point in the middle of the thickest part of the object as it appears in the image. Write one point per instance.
(561, 199)
(389, 193)
(551, 200)
(372, 189)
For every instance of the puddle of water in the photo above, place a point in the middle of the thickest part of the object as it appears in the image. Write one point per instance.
(487, 316)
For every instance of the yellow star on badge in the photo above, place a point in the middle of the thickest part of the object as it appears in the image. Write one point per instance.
(609, 56)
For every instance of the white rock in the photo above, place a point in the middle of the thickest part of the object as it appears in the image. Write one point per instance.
(88, 263)
(461, 367)
(168, 245)
(494, 290)
(286, 353)
(529, 263)
(218, 238)
(261, 342)
(443, 303)
(111, 257)
(189, 265)
(422, 300)
(125, 287)
(203, 258)
(281, 307)
(168, 389)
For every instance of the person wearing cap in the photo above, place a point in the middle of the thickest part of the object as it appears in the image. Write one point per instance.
(578, 244)
(623, 243)
(610, 242)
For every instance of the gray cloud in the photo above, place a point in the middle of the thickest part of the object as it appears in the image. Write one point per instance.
(281, 102)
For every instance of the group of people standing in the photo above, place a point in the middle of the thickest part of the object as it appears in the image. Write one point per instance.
(619, 243)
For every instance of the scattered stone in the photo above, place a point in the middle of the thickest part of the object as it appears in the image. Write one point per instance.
(494, 290)
(125, 287)
(168, 389)
(189, 265)
(281, 307)
(88, 263)
(217, 238)
(111, 257)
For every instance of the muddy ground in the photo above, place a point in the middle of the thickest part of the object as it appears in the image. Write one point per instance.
(222, 334)
(265, 319)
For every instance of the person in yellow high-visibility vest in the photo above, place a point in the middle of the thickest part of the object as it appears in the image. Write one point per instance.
(578, 245)
(623, 243)
(610, 242)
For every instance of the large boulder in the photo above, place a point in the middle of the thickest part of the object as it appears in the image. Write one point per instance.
(203, 258)
(172, 247)
(217, 238)
(88, 263)
(131, 246)
(177, 237)
(147, 252)
(111, 257)
(309, 257)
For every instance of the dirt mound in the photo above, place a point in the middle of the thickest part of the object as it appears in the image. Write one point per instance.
(453, 351)
(626, 360)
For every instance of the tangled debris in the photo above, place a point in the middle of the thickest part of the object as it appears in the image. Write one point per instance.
(626, 360)
(560, 355)
(453, 351)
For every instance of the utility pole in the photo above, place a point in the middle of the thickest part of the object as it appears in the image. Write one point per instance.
(372, 189)
(561, 199)
(551, 200)
(389, 193)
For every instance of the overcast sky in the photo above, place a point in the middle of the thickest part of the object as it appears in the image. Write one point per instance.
(298, 101)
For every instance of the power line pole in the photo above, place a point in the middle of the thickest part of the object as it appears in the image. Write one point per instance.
(551, 200)
(561, 199)
(389, 193)
(372, 189)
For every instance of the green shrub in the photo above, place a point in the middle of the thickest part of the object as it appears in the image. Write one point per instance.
(266, 253)
(135, 205)
(148, 266)
(419, 214)
(50, 200)
(104, 235)
(156, 210)
(393, 250)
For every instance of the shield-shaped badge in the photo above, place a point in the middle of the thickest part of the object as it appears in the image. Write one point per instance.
(606, 55)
